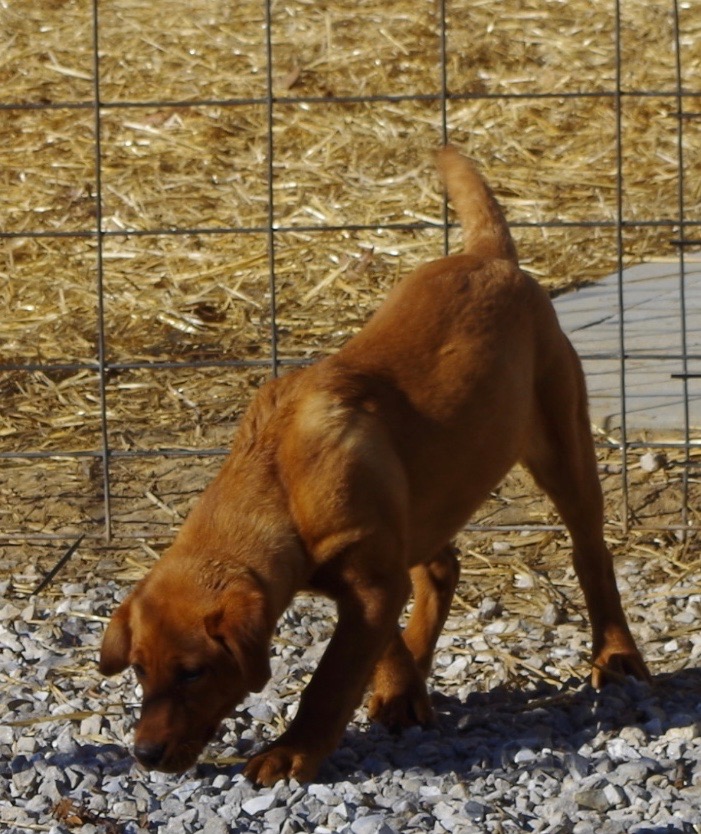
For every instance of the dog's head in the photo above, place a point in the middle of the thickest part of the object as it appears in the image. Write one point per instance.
(196, 654)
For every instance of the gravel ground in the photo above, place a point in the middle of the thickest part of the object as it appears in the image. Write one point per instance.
(521, 743)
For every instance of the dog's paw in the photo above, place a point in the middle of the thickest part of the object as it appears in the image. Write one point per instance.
(402, 709)
(615, 665)
(282, 762)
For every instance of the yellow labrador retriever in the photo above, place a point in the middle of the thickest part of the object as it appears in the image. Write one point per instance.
(350, 478)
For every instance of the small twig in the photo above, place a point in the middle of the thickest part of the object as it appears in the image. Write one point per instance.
(154, 499)
(79, 715)
(57, 567)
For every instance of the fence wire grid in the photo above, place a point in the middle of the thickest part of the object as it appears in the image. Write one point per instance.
(199, 195)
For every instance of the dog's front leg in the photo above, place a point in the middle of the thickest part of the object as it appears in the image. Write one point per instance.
(368, 610)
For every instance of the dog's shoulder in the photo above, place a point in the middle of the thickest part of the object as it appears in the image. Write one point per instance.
(338, 425)
(339, 467)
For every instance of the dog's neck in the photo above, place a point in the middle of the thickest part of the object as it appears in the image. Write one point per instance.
(223, 541)
(241, 525)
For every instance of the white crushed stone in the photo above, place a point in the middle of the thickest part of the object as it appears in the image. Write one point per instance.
(555, 758)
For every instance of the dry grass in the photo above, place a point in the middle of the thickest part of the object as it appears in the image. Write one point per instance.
(171, 163)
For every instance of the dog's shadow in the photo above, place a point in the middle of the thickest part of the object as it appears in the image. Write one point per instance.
(503, 730)
(506, 729)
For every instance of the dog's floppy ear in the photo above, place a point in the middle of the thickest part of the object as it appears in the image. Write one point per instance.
(116, 643)
(240, 625)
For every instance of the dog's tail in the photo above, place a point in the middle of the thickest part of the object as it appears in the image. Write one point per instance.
(484, 228)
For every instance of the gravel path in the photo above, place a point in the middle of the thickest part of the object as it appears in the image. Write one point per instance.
(521, 744)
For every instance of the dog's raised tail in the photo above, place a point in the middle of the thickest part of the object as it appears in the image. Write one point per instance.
(484, 228)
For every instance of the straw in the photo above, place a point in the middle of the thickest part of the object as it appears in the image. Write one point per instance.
(544, 136)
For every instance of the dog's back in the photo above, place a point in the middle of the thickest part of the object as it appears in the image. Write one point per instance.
(461, 318)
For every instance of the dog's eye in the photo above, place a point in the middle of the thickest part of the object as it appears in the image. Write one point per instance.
(190, 675)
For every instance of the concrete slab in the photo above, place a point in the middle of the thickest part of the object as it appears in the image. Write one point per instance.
(652, 345)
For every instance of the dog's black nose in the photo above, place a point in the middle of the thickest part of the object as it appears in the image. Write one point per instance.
(149, 753)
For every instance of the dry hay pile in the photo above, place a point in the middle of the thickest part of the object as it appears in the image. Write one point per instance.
(183, 146)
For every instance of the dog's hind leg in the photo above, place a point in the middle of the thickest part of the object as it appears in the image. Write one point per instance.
(562, 460)
(434, 585)
(399, 696)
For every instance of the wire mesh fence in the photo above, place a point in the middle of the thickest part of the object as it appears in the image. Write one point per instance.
(202, 194)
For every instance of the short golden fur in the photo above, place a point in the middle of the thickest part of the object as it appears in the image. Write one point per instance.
(350, 478)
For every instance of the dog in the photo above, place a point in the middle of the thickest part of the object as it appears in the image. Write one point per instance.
(350, 478)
